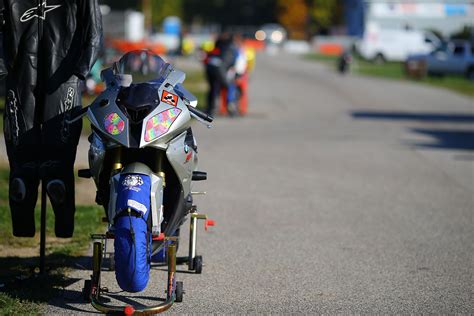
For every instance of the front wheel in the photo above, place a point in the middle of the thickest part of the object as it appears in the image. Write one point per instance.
(132, 253)
(133, 228)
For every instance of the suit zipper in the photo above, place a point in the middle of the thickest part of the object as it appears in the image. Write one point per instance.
(40, 20)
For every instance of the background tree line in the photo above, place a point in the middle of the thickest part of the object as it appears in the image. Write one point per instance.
(302, 18)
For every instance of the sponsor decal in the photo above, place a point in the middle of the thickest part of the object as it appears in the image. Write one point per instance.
(69, 101)
(114, 124)
(169, 98)
(133, 182)
(12, 114)
(137, 206)
(38, 12)
(160, 123)
(188, 157)
(68, 105)
(134, 192)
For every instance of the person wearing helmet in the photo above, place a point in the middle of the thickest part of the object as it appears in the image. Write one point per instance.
(218, 63)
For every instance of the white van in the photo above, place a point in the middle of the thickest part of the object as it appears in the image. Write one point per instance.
(382, 45)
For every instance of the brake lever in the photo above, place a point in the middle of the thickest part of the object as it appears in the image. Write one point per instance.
(200, 120)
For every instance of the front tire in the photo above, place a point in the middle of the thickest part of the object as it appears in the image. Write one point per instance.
(132, 254)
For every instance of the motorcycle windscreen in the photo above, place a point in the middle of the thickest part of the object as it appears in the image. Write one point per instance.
(132, 233)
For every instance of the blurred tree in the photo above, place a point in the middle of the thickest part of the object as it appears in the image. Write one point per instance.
(229, 12)
(293, 15)
(325, 14)
(160, 9)
(121, 4)
(466, 33)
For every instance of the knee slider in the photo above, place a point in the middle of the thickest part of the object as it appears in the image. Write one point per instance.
(56, 191)
(17, 190)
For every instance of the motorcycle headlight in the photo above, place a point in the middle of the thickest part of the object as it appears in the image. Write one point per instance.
(160, 123)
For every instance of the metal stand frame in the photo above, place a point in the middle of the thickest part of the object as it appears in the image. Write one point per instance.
(194, 261)
(43, 229)
(174, 290)
(95, 290)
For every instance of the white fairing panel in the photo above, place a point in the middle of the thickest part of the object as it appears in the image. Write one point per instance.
(183, 159)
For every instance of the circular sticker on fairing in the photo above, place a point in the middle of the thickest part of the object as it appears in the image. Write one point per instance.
(113, 123)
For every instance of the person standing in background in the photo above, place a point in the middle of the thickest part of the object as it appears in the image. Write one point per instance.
(218, 62)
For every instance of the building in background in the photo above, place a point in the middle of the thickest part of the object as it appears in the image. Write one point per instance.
(443, 16)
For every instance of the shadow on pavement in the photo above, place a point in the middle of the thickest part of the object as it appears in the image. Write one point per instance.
(414, 116)
(19, 279)
(447, 139)
(443, 138)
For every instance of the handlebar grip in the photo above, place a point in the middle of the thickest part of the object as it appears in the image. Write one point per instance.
(200, 114)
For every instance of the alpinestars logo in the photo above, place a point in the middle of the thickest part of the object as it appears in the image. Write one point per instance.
(36, 12)
(69, 102)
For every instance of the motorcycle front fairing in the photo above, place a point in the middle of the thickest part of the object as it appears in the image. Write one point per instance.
(142, 158)
(164, 128)
(156, 130)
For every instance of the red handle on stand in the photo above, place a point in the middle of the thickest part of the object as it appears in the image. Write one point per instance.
(209, 222)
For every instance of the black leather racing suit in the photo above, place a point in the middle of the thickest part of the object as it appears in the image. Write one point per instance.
(49, 46)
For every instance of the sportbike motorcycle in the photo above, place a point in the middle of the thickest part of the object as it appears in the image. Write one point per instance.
(143, 160)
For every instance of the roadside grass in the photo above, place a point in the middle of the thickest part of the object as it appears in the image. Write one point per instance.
(22, 290)
(394, 70)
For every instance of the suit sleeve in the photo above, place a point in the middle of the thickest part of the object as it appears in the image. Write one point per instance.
(89, 14)
(3, 69)
(2, 18)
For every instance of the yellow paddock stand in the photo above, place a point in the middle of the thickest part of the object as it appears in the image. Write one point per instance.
(174, 289)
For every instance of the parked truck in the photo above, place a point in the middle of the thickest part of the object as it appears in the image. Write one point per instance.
(453, 58)
(381, 44)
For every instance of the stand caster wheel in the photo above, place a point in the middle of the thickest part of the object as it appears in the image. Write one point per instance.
(86, 291)
(179, 291)
(198, 264)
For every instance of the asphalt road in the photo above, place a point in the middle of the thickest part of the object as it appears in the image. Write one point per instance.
(334, 195)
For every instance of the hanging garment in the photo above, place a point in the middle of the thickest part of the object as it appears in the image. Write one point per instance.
(49, 47)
